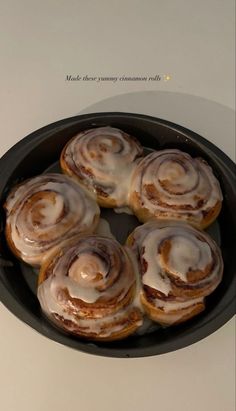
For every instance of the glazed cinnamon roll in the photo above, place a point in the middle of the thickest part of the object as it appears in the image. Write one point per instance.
(45, 211)
(170, 184)
(102, 160)
(88, 288)
(179, 267)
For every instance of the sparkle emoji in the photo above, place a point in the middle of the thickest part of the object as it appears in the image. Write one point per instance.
(167, 77)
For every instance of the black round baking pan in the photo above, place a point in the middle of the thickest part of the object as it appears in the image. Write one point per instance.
(40, 152)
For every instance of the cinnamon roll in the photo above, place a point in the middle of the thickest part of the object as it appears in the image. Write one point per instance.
(170, 184)
(179, 266)
(45, 211)
(88, 288)
(102, 160)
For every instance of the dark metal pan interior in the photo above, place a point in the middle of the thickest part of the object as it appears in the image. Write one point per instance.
(40, 151)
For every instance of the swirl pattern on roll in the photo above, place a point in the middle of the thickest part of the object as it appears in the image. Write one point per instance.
(179, 265)
(102, 159)
(88, 289)
(170, 184)
(45, 211)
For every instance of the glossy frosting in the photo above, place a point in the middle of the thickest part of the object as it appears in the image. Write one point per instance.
(103, 160)
(89, 289)
(179, 264)
(46, 210)
(171, 184)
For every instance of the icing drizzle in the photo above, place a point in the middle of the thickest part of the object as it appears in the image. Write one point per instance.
(90, 287)
(103, 159)
(172, 184)
(45, 211)
(179, 264)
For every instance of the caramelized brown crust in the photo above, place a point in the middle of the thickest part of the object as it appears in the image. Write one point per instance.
(171, 185)
(88, 289)
(101, 160)
(128, 326)
(173, 317)
(144, 215)
(102, 198)
(45, 211)
(168, 295)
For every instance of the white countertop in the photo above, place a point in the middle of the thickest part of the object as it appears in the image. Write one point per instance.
(43, 42)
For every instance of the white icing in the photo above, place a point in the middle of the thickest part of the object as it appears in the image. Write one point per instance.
(104, 327)
(86, 294)
(125, 210)
(153, 276)
(176, 176)
(189, 250)
(79, 287)
(179, 180)
(188, 253)
(51, 211)
(169, 306)
(90, 271)
(85, 269)
(110, 155)
(83, 282)
(103, 228)
(60, 210)
(136, 300)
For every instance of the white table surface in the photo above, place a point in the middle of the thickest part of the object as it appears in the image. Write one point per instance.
(42, 42)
